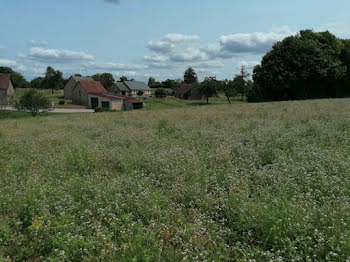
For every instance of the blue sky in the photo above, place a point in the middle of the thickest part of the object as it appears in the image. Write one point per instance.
(159, 38)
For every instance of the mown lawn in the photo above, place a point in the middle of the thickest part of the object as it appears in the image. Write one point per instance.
(240, 182)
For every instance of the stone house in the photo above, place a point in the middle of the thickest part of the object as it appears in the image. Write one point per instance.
(130, 88)
(114, 102)
(188, 91)
(72, 81)
(82, 90)
(7, 89)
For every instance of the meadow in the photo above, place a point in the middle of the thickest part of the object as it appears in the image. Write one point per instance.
(239, 182)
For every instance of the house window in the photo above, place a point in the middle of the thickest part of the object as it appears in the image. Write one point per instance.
(123, 93)
(105, 104)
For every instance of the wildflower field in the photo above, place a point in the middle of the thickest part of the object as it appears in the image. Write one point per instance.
(240, 182)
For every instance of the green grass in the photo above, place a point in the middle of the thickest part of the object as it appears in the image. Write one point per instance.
(239, 182)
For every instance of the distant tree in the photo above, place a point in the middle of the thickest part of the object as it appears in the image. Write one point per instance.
(32, 101)
(307, 65)
(78, 75)
(160, 93)
(132, 79)
(18, 79)
(123, 78)
(190, 76)
(151, 81)
(209, 87)
(229, 89)
(171, 84)
(53, 79)
(106, 78)
(240, 81)
(37, 83)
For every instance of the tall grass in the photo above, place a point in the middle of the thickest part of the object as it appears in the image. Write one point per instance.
(240, 182)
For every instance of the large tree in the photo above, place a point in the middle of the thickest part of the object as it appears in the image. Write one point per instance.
(18, 79)
(190, 76)
(53, 79)
(209, 87)
(37, 83)
(306, 65)
(106, 79)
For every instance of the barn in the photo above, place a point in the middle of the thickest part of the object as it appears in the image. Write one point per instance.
(82, 90)
(7, 89)
(72, 81)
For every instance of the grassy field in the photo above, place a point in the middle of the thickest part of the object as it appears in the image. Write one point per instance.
(240, 182)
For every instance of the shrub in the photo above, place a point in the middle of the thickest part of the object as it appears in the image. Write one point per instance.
(33, 102)
(187, 94)
(160, 93)
(61, 102)
(139, 93)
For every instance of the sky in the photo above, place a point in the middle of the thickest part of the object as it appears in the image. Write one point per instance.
(158, 38)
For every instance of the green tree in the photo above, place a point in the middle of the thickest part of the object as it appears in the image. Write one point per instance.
(160, 93)
(18, 79)
(32, 101)
(190, 76)
(123, 78)
(228, 89)
(37, 83)
(240, 81)
(306, 65)
(53, 79)
(151, 82)
(209, 87)
(106, 79)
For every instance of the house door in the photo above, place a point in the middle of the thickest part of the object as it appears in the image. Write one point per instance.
(123, 93)
(94, 102)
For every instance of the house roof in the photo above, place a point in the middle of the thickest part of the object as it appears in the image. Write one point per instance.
(121, 86)
(137, 85)
(4, 81)
(79, 78)
(183, 88)
(93, 87)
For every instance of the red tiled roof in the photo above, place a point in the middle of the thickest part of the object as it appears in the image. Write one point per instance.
(5, 81)
(93, 87)
(115, 96)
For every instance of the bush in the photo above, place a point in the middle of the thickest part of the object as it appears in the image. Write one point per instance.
(160, 93)
(139, 93)
(61, 102)
(100, 110)
(187, 94)
(33, 102)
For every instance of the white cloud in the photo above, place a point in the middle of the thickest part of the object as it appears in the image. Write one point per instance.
(114, 66)
(56, 55)
(9, 63)
(248, 64)
(254, 43)
(155, 58)
(34, 43)
(337, 28)
(126, 73)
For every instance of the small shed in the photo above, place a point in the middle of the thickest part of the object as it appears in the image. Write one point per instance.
(119, 88)
(7, 89)
(106, 101)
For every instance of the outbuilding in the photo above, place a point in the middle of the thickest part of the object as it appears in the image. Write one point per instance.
(7, 89)
(130, 88)
(83, 89)
(72, 81)
(114, 102)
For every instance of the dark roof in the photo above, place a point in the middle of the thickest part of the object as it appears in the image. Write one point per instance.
(79, 78)
(137, 85)
(93, 87)
(182, 89)
(5, 81)
(121, 86)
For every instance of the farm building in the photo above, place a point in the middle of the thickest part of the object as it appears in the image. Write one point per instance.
(82, 90)
(72, 81)
(188, 91)
(130, 88)
(7, 89)
(114, 102)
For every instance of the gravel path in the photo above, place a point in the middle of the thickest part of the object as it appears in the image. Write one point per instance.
(61, 110)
